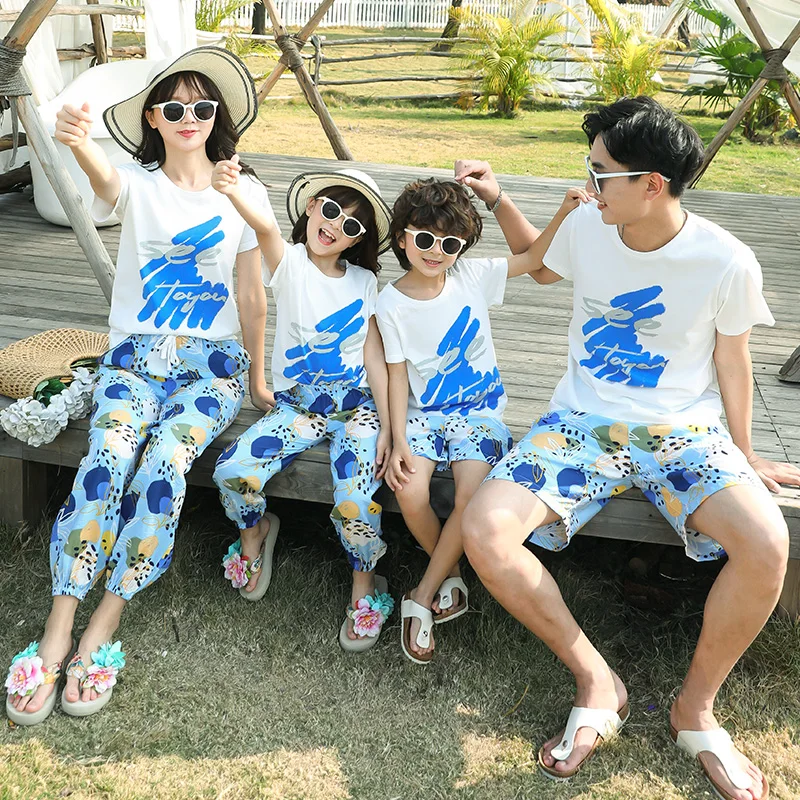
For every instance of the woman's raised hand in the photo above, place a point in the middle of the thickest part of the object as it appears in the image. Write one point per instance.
(225, 177)
(73, 125)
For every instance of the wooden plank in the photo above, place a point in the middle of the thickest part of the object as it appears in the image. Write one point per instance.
(23, 491)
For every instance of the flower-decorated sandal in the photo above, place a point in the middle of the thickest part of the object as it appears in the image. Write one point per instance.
(368, 618)
(25, 675)
(101, 676)
(239, 569)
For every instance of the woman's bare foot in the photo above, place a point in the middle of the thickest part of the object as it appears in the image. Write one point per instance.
(101, 629)
(54, 646)
(605, 691)
(363, 584)
(417, 596)
(685, 716)
(456, 594)
(252, 542)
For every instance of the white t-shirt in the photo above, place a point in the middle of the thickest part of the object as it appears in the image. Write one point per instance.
(322, 322)
(446, 342)
(643, 329)
(177, 251)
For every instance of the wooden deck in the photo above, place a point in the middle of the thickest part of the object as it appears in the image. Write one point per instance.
(46, 283)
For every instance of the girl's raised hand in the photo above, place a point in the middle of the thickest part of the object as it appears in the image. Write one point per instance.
(384, 453)
(73, 125)
(225, 177)
(573, 198)
(401, 464)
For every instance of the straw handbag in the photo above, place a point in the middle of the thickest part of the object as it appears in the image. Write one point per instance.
(50, 354)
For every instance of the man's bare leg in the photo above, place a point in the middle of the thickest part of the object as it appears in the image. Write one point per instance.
(749, 525)
(495, 525)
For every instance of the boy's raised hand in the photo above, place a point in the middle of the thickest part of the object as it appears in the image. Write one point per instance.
(479, 177)
(73, 125)
(225, 177)
(401, 464)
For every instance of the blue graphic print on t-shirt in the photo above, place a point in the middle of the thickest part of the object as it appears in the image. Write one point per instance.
(454, 386)
(317, 358)
(612, 338)
(174, 291)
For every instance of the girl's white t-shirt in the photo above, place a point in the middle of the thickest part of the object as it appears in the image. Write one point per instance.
(644, 325)
(177, 251)
(446, 342)
(321, 322)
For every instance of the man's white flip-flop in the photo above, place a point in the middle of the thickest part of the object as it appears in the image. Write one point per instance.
(267, 550)
(719, 743)
(410, 609)
(604, 722)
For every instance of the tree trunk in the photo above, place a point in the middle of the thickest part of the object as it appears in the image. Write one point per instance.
(450, 29)
(259, 19)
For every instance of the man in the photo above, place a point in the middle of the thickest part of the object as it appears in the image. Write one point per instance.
(663, 306)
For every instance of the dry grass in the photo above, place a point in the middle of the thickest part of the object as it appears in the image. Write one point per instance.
(226, 699)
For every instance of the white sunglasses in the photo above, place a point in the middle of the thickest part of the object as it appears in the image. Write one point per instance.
(596, 177)
(174, 111)
(425, 240)
(331, 211)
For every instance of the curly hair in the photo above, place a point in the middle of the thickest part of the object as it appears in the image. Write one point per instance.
(438, 206)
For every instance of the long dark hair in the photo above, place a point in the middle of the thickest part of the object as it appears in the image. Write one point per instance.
(365, 252)
(221, 142)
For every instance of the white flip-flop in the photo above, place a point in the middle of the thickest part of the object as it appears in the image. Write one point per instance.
(719, 743)
(411, 609)
(365, 642)
(267, 550)
(445, 593)
(603, 721)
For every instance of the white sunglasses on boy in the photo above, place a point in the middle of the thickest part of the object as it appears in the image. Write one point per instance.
(425, 240)
(596, 177)
(331, 211)
(174, 111)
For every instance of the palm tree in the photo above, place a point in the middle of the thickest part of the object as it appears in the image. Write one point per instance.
(509, 54)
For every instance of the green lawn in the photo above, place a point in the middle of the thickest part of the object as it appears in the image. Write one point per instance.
(227, 699)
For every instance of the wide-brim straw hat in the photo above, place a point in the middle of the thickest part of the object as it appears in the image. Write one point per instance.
(312, 184)
(226, 70)
(50, 354)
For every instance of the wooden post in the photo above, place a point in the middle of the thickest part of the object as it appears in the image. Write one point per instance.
(301, 38)
(312, 95)
(789, 603)
(23, 491)
(99, 35)
(27, 23)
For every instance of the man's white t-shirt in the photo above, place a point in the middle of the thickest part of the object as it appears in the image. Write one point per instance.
(644, 325)
(446, 342)
(177, 251)
(321, 323)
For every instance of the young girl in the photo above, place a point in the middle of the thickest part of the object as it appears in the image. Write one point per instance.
(172, 380)
(329, 378)
(446, 397)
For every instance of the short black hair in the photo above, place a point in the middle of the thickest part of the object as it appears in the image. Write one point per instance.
(643, 135)
(431, 204)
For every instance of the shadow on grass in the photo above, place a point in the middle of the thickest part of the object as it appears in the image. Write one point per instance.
(218, 686)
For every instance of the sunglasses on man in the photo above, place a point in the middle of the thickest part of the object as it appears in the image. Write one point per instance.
(596, 177)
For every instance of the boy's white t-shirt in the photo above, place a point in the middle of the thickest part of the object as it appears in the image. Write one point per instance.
(644, 325)
(177, 251)
(446, 342)
(321, 322)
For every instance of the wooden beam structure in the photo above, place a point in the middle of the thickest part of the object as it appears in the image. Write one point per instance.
(99, 35)
(40, 141)
(291, 59)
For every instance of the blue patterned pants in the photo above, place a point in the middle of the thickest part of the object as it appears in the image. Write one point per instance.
(302, 417)
(150, 420)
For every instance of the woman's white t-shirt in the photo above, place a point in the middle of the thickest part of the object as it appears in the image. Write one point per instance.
(321, 322)
(177, 251)
(446, 342)
(644, 325)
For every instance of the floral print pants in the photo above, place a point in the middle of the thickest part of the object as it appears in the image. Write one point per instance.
(152, 416)
(302, 417)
